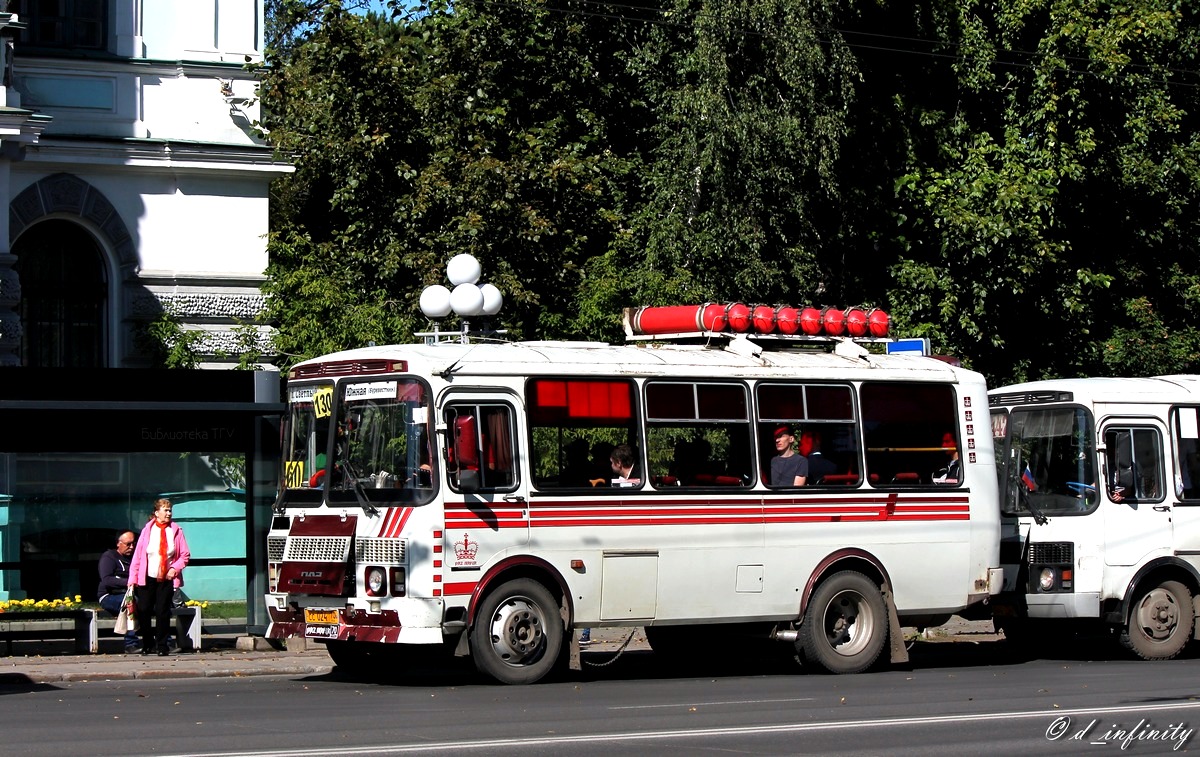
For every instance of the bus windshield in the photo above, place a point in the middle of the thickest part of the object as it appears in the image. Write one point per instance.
(380, 451)
(1050, 461)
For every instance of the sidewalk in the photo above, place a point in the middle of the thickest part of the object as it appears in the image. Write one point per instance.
(226, 651)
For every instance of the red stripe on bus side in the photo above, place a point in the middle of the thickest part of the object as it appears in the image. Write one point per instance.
(398, 526)
(458, 589)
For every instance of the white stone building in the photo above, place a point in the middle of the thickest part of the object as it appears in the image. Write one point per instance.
(133, 179)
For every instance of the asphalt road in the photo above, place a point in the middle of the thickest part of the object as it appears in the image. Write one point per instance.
(954, 699)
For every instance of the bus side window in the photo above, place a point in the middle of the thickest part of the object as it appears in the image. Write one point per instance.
(1134, 460)
(1185, 427)
(698, 433)
(905, 427)
(479, 454)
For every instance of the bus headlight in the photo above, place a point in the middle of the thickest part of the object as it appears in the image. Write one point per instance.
(375, 580)
(1046, 579)
(398, 583)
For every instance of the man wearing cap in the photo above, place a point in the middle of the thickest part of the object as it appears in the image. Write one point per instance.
(787, 467)
(951, 473)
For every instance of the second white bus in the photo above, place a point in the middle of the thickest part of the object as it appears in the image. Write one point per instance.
(1100, 497)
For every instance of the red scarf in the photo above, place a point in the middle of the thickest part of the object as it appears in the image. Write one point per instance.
(162, 552)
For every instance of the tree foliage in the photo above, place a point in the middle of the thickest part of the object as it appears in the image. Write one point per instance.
(1052, 198)
(1017, 180)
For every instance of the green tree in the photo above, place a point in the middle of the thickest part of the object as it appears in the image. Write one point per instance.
(1048, 220)
(441, 132)
(742, 197)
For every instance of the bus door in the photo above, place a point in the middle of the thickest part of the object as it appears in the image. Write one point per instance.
(1185, 482)
(486, 503)
(1135, 502)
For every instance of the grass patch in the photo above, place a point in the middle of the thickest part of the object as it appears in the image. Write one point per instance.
(225, 610)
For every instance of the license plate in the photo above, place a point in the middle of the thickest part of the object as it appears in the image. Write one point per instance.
(320, 631)
(320, 616)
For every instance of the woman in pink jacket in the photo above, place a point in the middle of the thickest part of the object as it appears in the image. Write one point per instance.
(159, 558)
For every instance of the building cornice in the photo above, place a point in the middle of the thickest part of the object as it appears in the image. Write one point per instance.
(99, 61)
(176, 156)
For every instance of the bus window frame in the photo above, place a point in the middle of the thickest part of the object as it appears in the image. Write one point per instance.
(1178, 456)
(1011, 472)
(766, 424)
(450, 442)
(634, 428)
(384, 496)
(725, 480)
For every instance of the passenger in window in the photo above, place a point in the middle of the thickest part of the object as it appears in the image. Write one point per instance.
(951, 472)
(818, 465)
(601, 463)
(788, 468)
(577, 466)
(624, 466)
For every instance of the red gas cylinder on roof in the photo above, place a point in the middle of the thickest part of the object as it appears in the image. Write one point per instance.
(856, 322)
(738, 316)
(833, 321)
(787, 319)
(810, 321)
(763, 318)
(878, 323)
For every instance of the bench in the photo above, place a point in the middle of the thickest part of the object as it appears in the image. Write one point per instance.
(188, 624)
(30, 625)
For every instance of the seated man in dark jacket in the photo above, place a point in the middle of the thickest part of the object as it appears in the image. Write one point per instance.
(114, 581)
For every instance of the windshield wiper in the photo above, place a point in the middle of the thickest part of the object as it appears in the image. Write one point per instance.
(1023, 498)
(359, 493)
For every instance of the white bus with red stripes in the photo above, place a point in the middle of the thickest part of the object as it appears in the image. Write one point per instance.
(461, 496)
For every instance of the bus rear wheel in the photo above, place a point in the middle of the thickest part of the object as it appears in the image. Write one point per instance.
(1160, 622)
(518, 633)
(845, 625)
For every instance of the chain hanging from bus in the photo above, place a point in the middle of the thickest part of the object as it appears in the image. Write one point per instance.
(1100, 504)
(491, 498)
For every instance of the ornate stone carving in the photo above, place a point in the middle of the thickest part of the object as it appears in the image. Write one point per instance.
(239, 307)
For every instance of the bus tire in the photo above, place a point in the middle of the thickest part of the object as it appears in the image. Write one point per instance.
(845, 625)
(1160, 622)
(518, 634)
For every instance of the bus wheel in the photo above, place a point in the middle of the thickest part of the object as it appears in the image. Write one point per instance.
(518, 633)
(1160, 622)
(845, 626)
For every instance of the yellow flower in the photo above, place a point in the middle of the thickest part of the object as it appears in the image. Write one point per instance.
(78, 598)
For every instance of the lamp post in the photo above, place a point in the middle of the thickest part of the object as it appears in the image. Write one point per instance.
(467, 300)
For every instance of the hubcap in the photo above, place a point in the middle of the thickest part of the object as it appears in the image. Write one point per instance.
(1158, 614)
(849, 623)
(517, 630)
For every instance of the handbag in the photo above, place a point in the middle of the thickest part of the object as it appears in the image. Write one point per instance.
(127, 618)
(122, 626)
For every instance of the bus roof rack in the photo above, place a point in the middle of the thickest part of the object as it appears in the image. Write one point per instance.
(765, 325)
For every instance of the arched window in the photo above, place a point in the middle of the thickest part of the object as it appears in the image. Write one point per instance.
(63, 295)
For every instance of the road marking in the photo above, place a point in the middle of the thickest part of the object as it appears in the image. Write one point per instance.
(506, 744)
(709, 704)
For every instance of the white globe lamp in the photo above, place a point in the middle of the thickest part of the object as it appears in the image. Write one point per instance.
(466, 300)
(435, 301)
(492, 299)
(463, 269)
